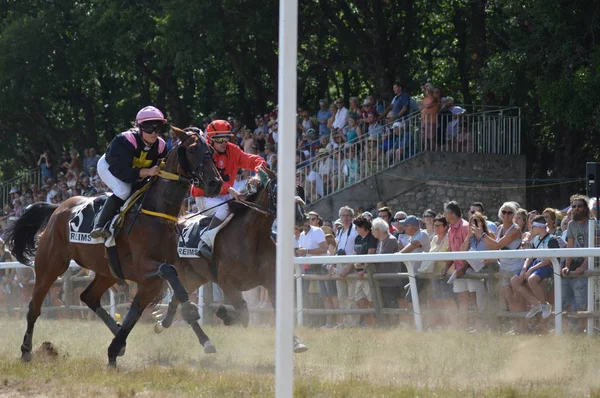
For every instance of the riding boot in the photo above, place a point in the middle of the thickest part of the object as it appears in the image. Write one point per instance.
(111, 206)
(204, 249)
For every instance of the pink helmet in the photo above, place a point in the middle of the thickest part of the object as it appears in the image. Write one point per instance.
(149, 113)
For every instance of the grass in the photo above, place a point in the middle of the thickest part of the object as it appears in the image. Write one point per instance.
(339, 363)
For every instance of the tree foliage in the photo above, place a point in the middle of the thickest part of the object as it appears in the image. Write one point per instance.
(73, 73)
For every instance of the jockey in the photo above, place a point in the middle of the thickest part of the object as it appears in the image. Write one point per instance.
(229, 158)
(131, 156)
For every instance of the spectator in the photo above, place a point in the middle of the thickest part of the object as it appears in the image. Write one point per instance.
(478, 207)
(64, 163)
(400, 103)
(341, 115)
(345, 237)
(75, 164)
(469, 289)
(354, 130)
(392, 290)
(552, 216)
(328, 289)
(354, 106)
(351, 168)
(364, 243)
(386, 215)
(428, 217)
(457, 233)
(402, 236)
(535, 271)
(418, 242)
(441, 292)
(260, 134)
(367, 108)
(305, 122)
(323, 116)
(331, 120)
(311, 243)
(508, 237)
(374, 129)
(46, 166)
(248, 142)
(429, 110)
(574, 290)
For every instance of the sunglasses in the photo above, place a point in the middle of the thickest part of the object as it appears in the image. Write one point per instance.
(150, 128)
(578, 206)
(506, 212)
(220, 140)
(313, 219)
(398, 219)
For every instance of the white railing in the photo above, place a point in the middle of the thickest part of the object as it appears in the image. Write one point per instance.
(384, 146)
(407, 258)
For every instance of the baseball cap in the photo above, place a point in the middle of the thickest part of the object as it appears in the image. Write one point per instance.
(410, 220)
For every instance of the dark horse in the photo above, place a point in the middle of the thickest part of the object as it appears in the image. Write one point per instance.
(244, 254)
(146, 251)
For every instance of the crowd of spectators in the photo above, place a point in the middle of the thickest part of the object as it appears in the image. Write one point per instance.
(525, 285)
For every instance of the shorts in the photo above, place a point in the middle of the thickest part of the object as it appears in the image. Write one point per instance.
(543, 273)
(346, 289)
(574, 293)
(441, 289)
(363, 290)
(327, 289)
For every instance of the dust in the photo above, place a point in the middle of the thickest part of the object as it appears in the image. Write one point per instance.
(532, 362)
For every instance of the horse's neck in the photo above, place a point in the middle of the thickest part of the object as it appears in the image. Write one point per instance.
(166, 196)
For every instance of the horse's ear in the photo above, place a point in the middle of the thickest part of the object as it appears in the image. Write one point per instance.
(179, 133)
(270, 173)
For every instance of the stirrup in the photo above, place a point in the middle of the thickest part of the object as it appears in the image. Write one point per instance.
(204, 251)
(99, 233)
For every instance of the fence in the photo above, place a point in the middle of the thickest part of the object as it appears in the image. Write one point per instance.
(32, 176)
(412, 276)
(493, 131)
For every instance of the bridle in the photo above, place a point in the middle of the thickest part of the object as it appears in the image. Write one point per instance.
(197, 174)
(270, 210)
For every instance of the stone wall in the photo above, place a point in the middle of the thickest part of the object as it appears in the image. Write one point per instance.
(432, 178)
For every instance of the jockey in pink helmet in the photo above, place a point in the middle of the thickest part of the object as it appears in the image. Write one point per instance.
(131, 156)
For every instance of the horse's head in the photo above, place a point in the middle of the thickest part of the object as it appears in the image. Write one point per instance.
(195, 161)
(267, 197)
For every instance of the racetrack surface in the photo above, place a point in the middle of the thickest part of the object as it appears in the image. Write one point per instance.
(349, 362)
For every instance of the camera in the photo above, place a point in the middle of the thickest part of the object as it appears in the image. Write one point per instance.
(476, 222)
(341, 252)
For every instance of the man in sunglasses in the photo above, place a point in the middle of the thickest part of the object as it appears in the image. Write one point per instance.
(131, 156)
(229, 159)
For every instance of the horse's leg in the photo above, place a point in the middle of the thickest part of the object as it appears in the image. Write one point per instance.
(203, 339)
(43, 283)
(91, 297)
(145, 294)
(298, 345)
(189, 310)
(167, 321)
(239, 304)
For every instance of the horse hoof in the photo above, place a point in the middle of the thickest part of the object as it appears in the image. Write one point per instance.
(122, 351)
(112, 365)
(159, 328)
(26, 356)
(209, 348)
(299, 347)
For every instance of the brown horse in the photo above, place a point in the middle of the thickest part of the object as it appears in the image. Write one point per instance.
(244, 254)
(146, 249)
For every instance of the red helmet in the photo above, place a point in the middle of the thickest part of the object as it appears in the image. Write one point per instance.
(219, 128)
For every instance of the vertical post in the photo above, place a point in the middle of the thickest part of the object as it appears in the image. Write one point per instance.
(375, 293)
(591, 280)
(414, 294)
(113, 305)
(286, 150)
(201, 307)
(557, 297)
(299, 296)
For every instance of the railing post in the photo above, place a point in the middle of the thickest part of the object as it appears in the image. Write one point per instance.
(414, 294)
(113, 304)
(557, 297)
(201, 306)
(591, 279)
(375, 294)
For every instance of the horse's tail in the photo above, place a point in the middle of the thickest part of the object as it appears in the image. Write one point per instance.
(20, 236)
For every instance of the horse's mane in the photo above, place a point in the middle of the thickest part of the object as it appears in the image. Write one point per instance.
(239, 209)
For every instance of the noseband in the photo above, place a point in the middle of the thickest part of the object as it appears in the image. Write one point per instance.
(197, 175)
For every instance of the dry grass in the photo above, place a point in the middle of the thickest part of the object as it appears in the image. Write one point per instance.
(342, 363)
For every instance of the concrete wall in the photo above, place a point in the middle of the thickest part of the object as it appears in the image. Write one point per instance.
(432, 178)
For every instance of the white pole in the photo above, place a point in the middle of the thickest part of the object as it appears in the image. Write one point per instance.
(113, 304)
(201, 308)
(557, 297)
(286, 155)
(414, 295)
(591, 280)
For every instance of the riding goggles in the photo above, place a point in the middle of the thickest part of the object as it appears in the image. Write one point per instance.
(151, 127)
(220, 140)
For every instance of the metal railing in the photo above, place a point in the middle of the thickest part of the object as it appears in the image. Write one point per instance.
(30, 177)
(495, 131)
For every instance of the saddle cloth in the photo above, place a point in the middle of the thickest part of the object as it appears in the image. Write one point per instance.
(82, 221)
(194, 230)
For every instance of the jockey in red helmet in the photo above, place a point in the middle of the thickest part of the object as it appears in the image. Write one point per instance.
(229, 159)
(131, 156)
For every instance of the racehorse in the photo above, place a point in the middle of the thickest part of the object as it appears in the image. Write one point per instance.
(244, 254)
(145, 251)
